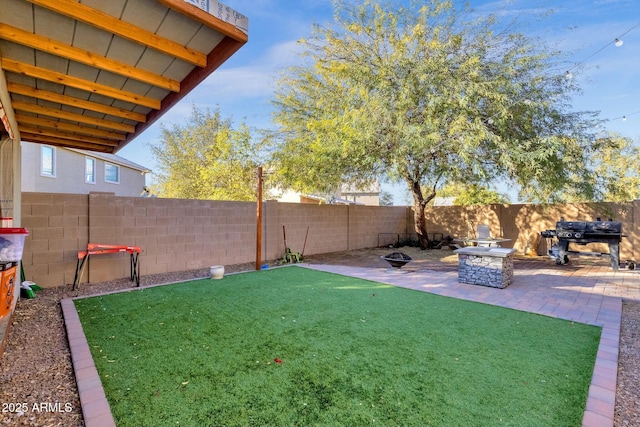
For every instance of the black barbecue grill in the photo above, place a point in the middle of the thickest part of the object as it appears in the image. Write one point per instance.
(582, 233)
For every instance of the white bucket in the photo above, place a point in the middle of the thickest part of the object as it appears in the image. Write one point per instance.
(217, 271)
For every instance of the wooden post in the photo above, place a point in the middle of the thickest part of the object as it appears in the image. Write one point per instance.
(259, 222)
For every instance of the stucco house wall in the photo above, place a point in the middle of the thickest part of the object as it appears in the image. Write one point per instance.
(69, 172)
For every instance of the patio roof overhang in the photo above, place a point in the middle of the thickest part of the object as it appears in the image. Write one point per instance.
(94, 74)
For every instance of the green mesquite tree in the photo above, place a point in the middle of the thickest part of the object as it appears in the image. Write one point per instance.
(206, 158)
(427, 94)
(616, 171)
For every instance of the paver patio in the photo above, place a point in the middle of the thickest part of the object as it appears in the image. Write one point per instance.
(590, 294)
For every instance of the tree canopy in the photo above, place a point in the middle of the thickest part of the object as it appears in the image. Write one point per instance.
(206, 158)
(428, 94)
(616, 171)
(472, 194)
(386, 198)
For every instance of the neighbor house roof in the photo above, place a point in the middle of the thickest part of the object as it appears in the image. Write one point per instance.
(113, 158)
(94, 74)
(373, 187)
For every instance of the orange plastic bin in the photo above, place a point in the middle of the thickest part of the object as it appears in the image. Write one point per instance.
(7, 287)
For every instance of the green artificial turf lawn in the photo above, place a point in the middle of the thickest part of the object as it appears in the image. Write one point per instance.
(353, 353)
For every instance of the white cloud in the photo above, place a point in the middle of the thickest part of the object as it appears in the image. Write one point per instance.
(240, 82)
(283, 54)
(251, 81)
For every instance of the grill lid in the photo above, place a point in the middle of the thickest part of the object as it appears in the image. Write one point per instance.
(571, 226)
(588, 229)
(606, 227)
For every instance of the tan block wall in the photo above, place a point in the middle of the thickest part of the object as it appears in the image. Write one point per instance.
(369, 225)
(520, 222)
(174, 234)
(331, 228)
(180, 235)
(327, 224)
(58, 226)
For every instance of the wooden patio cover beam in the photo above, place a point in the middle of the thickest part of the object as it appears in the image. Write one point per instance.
(75, 102)
(45, 44)
(52, 76)
(67, 115)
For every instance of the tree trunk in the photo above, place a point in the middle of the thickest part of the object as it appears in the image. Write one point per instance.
(419, 205)
(421, 225)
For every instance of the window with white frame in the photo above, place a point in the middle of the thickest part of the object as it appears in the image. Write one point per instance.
(89, 170)
(47, 161)
(111, 173)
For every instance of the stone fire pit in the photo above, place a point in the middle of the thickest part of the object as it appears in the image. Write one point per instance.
(397, 259)
(485, 266)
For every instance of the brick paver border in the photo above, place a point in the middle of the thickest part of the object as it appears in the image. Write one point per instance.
(95, 408)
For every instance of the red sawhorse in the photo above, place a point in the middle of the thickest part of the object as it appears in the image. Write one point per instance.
(98, 249)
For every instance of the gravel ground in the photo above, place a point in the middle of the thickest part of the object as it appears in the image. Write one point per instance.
(37, 384)
(628, 387)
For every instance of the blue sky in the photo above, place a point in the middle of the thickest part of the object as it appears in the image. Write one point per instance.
(242, 87)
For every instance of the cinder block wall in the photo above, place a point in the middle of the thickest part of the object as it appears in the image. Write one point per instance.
(329, 228)
(58, 226)
(179, 235)
(368, 226)
(174, 234)
(521, 222)
(327, 224)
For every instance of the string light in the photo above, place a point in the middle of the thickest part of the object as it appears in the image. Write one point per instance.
(618, 42)
(624, 118)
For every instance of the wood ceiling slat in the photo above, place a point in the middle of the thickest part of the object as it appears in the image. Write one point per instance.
(74, 102)
(216, 57)
(88, 38)
(150, 15)
(55, 113)
(62, 142)
(53, 47)
(124, 29)
(111, 7)
(40, 73)
(69, 127)
(207, 19)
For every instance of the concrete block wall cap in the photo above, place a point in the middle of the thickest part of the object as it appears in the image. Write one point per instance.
(485, 251)
(502, 250)
(472, 249)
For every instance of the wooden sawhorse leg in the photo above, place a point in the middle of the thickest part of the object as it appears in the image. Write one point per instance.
(80, 265)
(135, 268)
